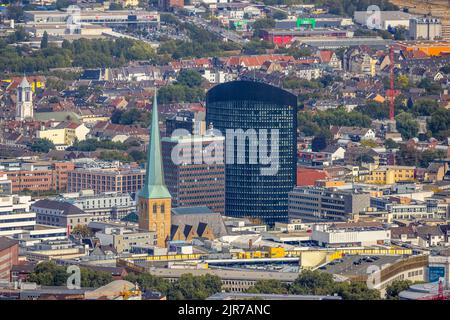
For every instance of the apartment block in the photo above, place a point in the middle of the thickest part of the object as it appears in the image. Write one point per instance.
(390, 175)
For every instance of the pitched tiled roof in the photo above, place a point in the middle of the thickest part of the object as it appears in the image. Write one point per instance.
(65, 207)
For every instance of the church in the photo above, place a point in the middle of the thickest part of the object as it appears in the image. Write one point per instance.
(154, 203)
(24, 105)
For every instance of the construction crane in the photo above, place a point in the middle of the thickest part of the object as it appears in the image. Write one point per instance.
(441, 295)
(391, 78)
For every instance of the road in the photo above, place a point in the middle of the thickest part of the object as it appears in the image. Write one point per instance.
(205, 24)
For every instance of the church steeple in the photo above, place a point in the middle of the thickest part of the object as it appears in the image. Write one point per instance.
(154, 186)
(24, 104)
(154, 200)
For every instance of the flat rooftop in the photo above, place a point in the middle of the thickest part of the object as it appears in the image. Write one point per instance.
(347, 267)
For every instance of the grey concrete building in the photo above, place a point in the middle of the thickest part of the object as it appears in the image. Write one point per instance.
(315, 204)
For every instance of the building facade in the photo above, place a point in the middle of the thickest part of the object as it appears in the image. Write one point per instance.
(9, 256)
(106, 180)
(316, 204)
(255, 187)
(192, 183)
(37, 176)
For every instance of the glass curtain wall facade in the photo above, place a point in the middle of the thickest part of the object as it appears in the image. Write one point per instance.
(253, 105)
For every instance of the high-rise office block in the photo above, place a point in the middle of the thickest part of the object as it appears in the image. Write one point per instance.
(195, 183)
(256, 118)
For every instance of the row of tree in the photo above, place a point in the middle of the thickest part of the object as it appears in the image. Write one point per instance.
(79, 53)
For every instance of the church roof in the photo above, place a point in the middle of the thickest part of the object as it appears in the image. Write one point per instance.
(198, 220)
(154, 186)
(24, 83)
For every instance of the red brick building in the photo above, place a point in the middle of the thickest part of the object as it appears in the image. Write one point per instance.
(40, 176)
(9, 256)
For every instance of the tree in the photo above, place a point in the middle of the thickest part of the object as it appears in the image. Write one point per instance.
(397, 286)
(42, 145)
(263, 23)
(390, 144)
(82, 230)
(189, 287)
(407, 125)
(319, 143)
(279, 15)
(439, 123)
(368, 143)
(48, 273)
(269, 287)
(190, 78)
(138, 156)
(313, 283)
(44, 40)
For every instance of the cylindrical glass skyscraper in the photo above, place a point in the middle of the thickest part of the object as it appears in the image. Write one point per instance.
(256, 120)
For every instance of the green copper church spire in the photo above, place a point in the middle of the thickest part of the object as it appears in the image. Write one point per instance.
(154, 186)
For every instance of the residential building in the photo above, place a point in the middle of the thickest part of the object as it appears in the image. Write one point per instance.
(169, 5)
(194, 178)
(320, 204)
(253, 187)
(64, 134)
(363, 64)
(390, 175)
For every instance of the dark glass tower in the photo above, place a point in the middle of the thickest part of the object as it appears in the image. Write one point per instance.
(253, 105)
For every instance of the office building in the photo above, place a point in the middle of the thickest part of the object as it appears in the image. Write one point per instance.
(36, 176)
(192, 183)
(316, 204)
(390, 175)
(124, 239)
(193, 122)
(256, 183)
(154, 200)
(9, 256)
(15, 215)
(123, 180)
(102, 206)
(60, 214)
(350, 234)
(426, 28)
(5, 184)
